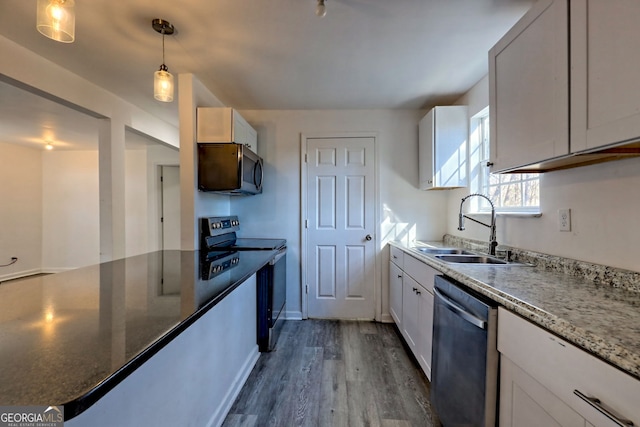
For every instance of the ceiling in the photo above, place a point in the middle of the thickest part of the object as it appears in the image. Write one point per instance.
(275, 54)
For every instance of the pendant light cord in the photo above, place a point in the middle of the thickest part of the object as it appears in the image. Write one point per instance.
(162, 47)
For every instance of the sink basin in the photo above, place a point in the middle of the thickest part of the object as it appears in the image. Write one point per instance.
(441, 251)
(471, 259)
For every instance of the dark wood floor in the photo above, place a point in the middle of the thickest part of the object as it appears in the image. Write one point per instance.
(335, 373)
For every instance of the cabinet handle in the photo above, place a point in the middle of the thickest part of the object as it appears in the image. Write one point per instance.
(395, 257)
(489, 164)
(415, 289)
(602, 408)
(399, 276)
(418, 292)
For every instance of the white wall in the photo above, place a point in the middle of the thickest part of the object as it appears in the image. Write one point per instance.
(405, 211)
(604, 200)
(20, 210)
(47, 79)
(142, 195)
(136, 206)
(70, 210)
(157, 155)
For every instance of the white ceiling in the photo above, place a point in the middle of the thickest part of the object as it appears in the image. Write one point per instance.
(274, 54)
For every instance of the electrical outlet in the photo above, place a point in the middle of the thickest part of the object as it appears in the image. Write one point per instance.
(564, 219)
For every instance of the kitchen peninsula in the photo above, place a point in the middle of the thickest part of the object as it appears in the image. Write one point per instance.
(151, 337)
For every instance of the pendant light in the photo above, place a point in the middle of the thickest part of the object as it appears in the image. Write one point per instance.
(321, 9)
(56, 19)
(162, 79)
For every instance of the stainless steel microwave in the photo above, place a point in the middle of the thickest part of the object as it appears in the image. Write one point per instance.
(229, 169)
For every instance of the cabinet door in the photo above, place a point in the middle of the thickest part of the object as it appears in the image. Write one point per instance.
(243, 133)
(425, 151)
(395, 293)
(528, 89)
(425, 326)
(252, 139)
(214, 124)
(605, 58)
(442, 148)
(526, 403)
(410, 307)
(240, 129)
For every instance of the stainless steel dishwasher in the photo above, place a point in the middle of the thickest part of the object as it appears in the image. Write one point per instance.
(464, 364)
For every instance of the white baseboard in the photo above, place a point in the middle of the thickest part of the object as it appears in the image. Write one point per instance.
(52, 270)
(223, 410)
(19, 274)
(293, 315)
(386, 318)
(33, 271)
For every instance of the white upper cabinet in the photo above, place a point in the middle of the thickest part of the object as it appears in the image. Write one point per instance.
(528, 88)
(442, 148)
(225, 125)
(549, 110)
(605, 59)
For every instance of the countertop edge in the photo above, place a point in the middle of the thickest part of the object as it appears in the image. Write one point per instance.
(75, 407)
(614, 354)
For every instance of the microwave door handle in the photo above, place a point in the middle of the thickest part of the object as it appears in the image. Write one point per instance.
(255, 182)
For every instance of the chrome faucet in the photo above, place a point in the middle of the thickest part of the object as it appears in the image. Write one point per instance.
(492, 236)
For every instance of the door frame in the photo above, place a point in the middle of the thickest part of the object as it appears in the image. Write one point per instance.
(304, 283)
(155, 204)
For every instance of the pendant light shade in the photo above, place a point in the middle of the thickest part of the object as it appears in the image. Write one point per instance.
(56, 19)
(163, 85)
(321, 9)
(163, 79)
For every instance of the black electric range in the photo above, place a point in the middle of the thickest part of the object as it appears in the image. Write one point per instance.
(218, 235)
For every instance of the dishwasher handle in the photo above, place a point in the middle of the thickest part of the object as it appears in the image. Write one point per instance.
(460, 311)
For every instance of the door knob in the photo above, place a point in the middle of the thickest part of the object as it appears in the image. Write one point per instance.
(368, 237)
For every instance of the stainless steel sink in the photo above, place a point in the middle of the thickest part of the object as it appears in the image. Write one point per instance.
(442, 251)
(471, 259)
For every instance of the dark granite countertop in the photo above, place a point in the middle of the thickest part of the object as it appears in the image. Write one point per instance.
(601, 319)
(69, 338)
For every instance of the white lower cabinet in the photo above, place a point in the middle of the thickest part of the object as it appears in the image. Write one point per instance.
(425, 324)
(417, 319)
(395, 293)
(411, 303)
(524, 402)
(546, 381)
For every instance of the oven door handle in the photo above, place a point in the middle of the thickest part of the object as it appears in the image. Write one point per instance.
(460, 311)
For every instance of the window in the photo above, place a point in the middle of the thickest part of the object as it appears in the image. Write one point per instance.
(512, 192)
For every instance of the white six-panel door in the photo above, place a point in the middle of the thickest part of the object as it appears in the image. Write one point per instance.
(340, 255)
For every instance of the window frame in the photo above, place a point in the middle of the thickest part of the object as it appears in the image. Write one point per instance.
(479, 157)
